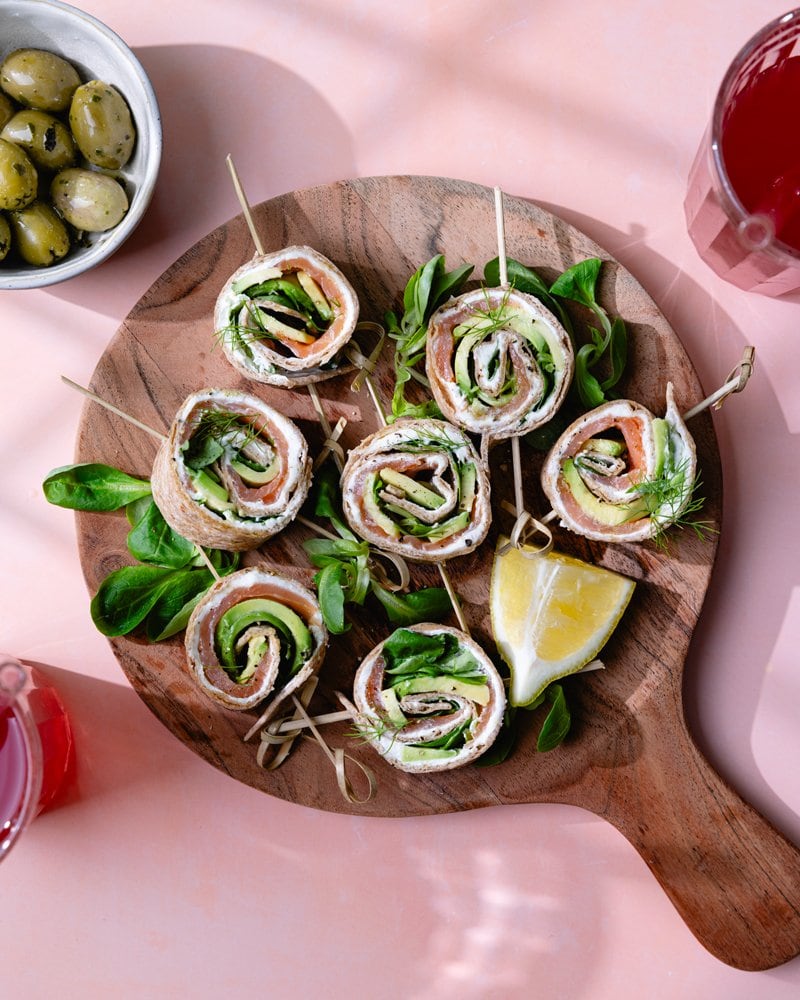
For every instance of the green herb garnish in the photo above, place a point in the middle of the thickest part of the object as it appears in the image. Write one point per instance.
(609, 344)
(428, 288)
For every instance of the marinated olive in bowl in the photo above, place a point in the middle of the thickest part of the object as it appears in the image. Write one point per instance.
(80, 142)
(46, 139)
(89, 201)
(38, 79)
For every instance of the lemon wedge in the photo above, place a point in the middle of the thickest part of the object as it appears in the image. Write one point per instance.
(551, 615)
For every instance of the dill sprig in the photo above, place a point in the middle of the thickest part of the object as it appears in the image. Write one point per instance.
(666, 503)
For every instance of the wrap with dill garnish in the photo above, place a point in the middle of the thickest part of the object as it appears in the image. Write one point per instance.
(499, 363)
(619, 473)
(285, 317)
(232, 471)
(428, 699)
(417, 488)
(253, 636)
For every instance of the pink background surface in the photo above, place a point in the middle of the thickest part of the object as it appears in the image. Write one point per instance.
(160, 877)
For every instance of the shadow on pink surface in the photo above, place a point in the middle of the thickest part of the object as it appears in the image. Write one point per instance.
(216, 99)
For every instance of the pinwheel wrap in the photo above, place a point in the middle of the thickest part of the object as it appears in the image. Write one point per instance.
(232, 471)
(254, 636)
(443, 718)
(499, 363)
(284, 317)
(417, 488)
(619, 473)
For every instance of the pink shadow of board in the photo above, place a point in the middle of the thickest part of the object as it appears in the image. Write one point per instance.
(733, 878)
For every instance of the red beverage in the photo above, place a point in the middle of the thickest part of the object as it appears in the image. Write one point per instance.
(35, 753)
(761, 147)
(13, 772)
(743, 203)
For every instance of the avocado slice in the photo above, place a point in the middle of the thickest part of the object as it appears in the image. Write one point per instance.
(255, 277)
(256, 477)
(600, 511)
(315, 293)
(394, 714)
(415, 491)
(529, 329)
(374, 508)
(411, 753)
(661, 440)
(461, 362)
(467, 487)
(289, 624)
(605, 446)
(212, 493)
(282, 331)
(478, 693)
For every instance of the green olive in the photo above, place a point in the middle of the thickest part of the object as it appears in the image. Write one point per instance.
(44, 138)
(88, 200)
(18, 176)
(41, 237)
(7, 109)
(5, 237)
(39, 79)
(101, 125)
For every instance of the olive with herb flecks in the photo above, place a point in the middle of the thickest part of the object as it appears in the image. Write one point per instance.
(40, 236)
(18, 177)
(101, 125)
(39, 79)
(88, 200)
(43, 137)
(5, 237)
(7, 109)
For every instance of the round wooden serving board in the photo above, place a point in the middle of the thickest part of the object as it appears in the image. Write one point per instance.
(629, 757)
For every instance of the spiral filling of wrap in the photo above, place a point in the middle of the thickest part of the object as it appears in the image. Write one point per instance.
(284, 318)
(499, 363)
(232, 472)
(254, 636)
(417, 488)
(619, 473)
(428, 698)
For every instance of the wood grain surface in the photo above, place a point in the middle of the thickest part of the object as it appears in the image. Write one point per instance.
(629, 758)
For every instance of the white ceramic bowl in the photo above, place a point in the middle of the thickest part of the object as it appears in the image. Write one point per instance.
(97, 53)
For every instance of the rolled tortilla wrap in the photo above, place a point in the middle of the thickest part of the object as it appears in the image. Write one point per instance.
(430, 721)
(284, 317)
(595, 473)
(417, 488)
(499, 363)
(253, 636)
(232, 471)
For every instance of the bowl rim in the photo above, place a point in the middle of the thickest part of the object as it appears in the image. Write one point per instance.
(72, 266)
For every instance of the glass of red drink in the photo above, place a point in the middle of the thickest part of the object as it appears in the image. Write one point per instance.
(35, 747)
(743, 201)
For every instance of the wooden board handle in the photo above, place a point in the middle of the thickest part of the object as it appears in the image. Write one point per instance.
(731, 875)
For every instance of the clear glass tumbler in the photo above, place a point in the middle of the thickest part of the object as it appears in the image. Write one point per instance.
(743, 200)
(35, 747)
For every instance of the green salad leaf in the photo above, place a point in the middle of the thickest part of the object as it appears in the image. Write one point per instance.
(93, 487)
(429, 287)
(159, 594)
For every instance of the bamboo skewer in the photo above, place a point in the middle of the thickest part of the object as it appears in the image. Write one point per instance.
(259, 247)
(525, 525)
(114, 409)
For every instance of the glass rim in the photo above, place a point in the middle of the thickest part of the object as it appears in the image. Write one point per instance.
(34, 764)
(777, 247)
